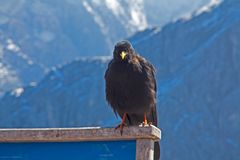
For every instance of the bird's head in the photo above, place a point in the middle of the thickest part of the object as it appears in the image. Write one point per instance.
(123, 51)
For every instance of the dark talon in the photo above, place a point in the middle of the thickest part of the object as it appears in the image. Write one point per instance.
(121, 127)
(122, 124)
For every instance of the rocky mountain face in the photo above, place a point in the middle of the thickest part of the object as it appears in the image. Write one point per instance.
(198, 70)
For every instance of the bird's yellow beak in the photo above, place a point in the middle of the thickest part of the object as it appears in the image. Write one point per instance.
(123, 55)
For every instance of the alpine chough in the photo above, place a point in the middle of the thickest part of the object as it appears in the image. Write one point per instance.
(131, 88)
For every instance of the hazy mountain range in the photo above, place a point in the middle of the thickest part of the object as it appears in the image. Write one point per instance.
(37, 35)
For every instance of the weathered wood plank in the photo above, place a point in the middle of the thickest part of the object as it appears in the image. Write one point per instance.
(144, 149)
(78, 134)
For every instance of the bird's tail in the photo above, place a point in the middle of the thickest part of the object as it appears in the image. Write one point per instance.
(156, 144)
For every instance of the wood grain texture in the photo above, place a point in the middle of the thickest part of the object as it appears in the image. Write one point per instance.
(78, 134)
(144, 149)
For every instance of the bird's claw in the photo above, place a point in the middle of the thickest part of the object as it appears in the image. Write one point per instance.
(149, 124)
(144, 124)
(121, 127)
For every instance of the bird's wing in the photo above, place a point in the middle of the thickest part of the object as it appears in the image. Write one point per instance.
(150, 68)
(108, 89)
(154, 109)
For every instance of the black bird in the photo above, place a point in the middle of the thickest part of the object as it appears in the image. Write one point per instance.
(131, 88)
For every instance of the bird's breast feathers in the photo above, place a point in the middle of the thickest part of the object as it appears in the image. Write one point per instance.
(129, 67)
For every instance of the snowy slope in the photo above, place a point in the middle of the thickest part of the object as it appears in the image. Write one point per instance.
(37, 35)
(17, 67)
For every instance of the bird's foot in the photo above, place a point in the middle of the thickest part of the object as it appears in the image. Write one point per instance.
(144, 124)
(121, 127)
(149, 124)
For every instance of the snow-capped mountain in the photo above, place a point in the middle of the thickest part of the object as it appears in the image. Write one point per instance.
(198, 69)
(8, 78)
(37, 35)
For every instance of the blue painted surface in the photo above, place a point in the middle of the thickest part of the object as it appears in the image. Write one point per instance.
(110, 150)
